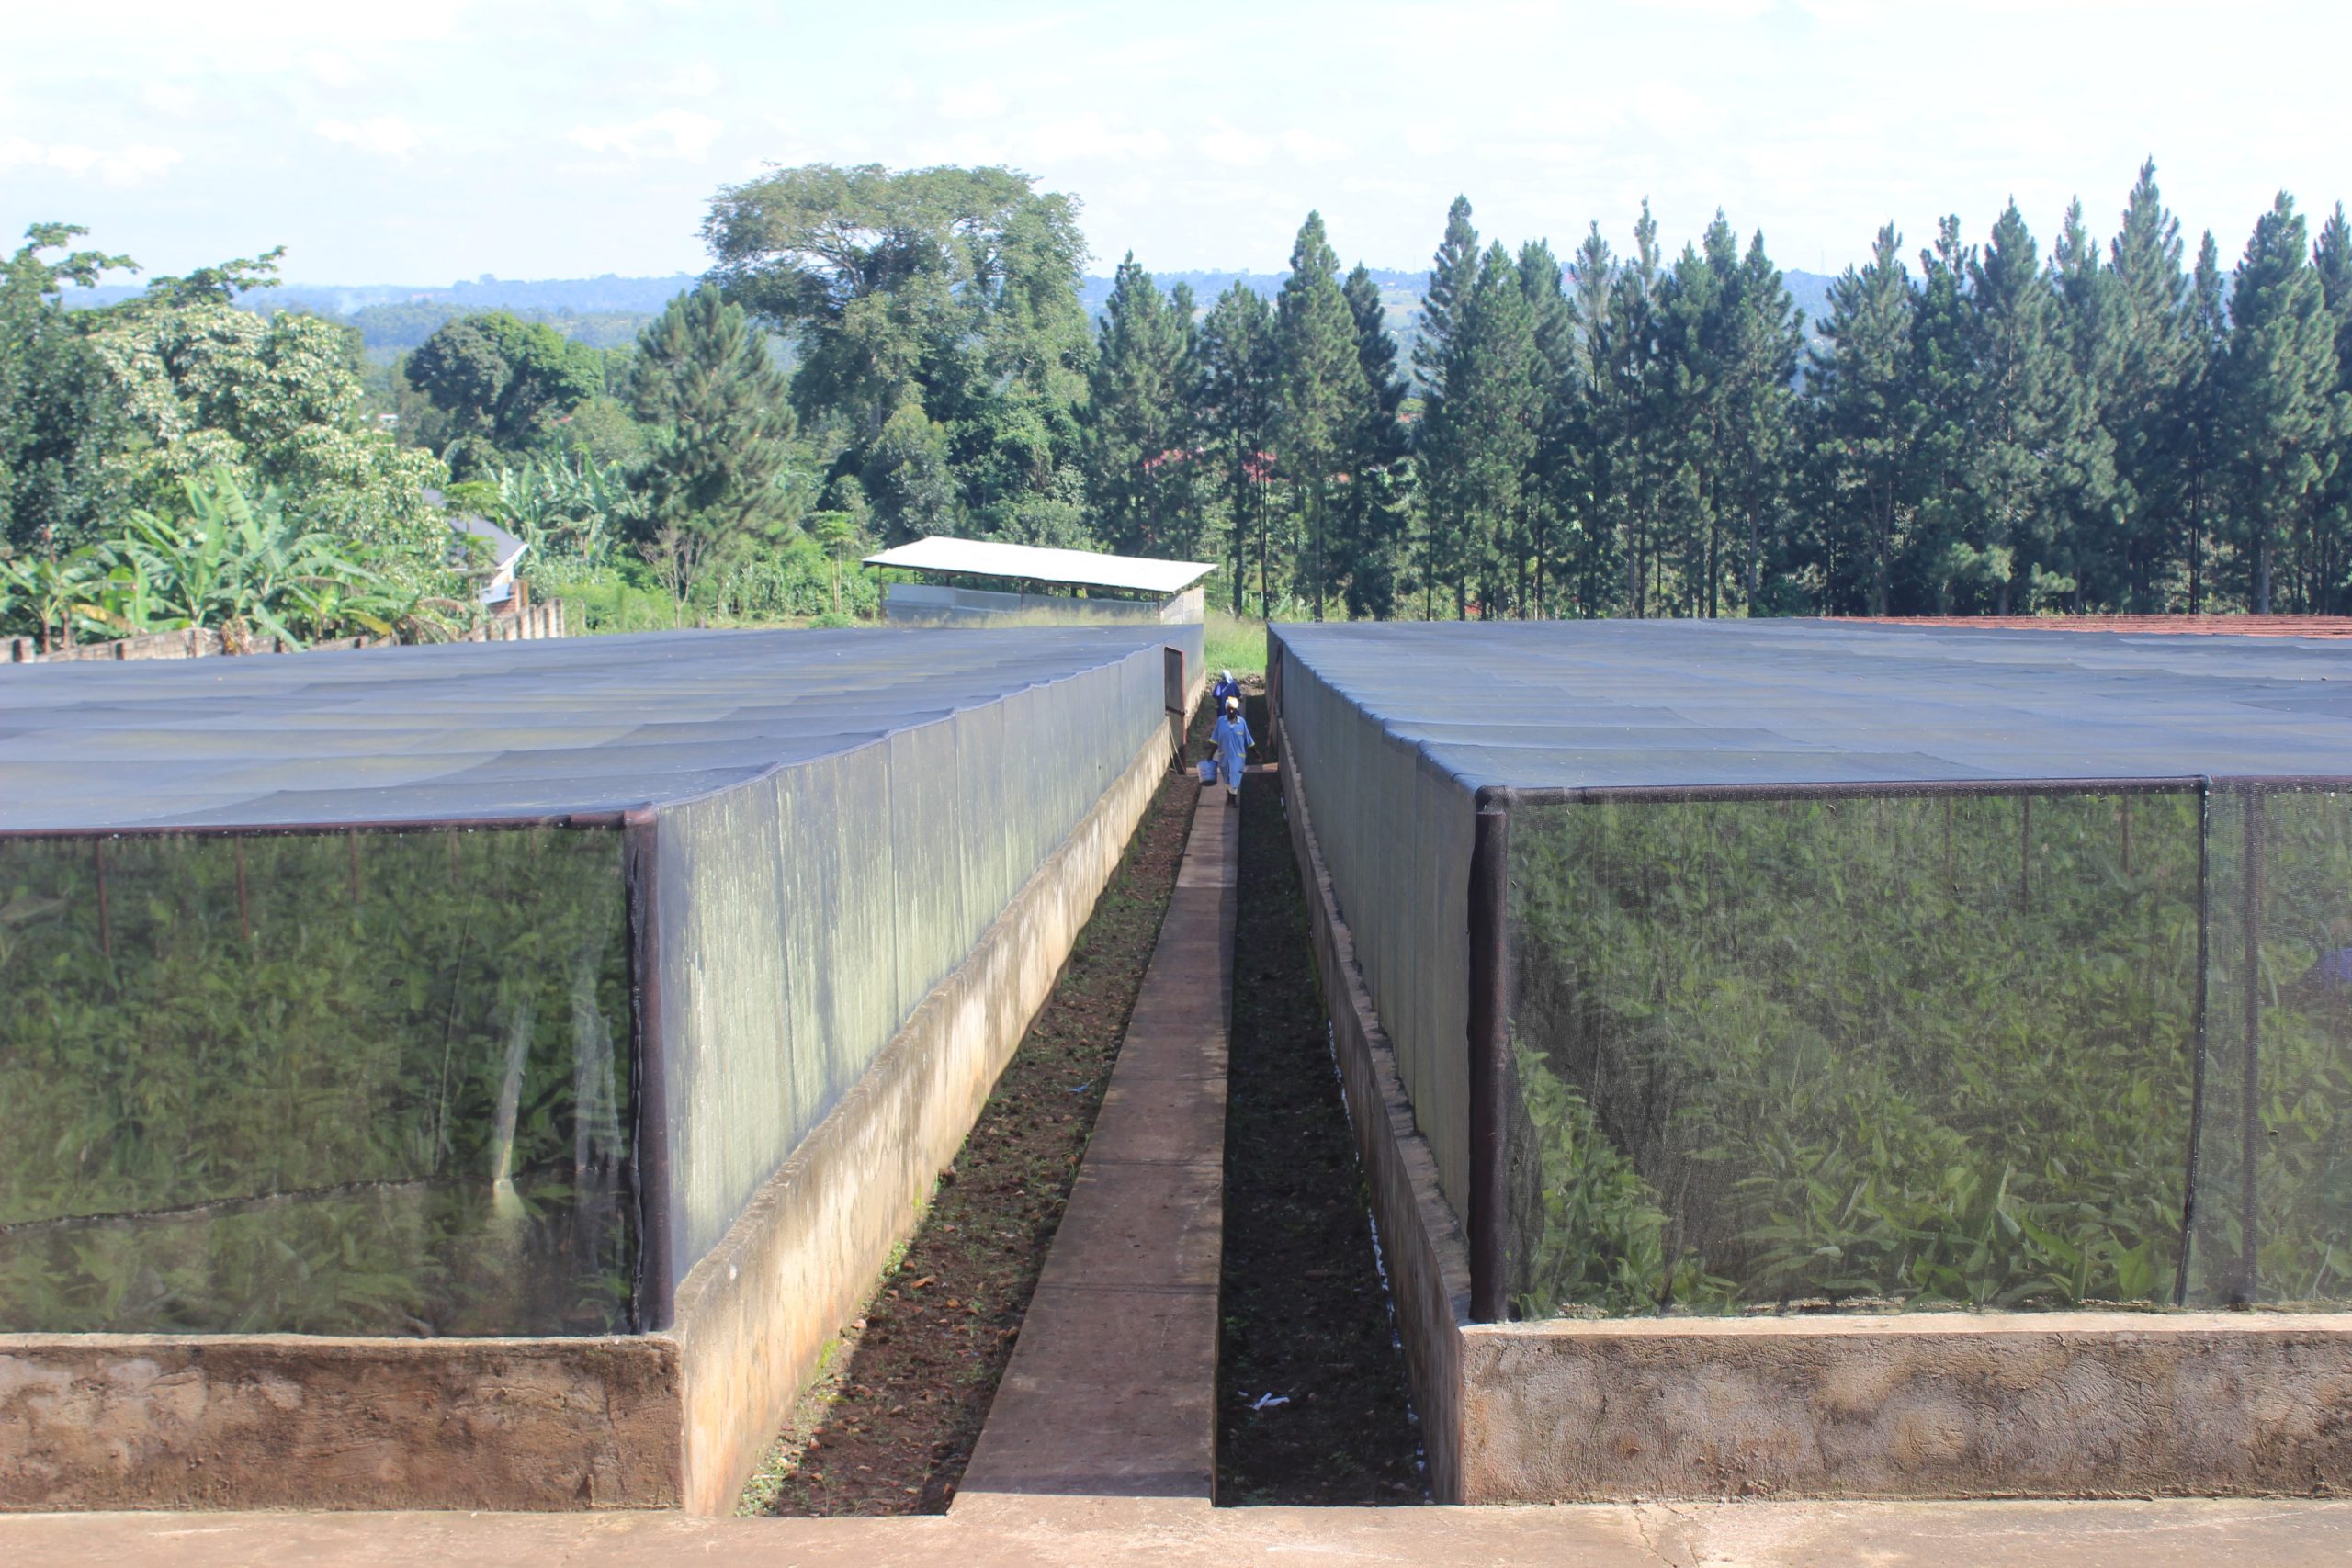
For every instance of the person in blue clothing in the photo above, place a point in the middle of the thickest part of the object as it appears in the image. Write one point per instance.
(1232, 742)
(1226, 688)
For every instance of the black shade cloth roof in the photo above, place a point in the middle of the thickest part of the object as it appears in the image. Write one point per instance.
(1665, 703)
(487, 731)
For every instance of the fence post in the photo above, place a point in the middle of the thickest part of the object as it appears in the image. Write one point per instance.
(1490, 1041)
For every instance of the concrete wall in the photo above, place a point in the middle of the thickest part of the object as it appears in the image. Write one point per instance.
(650, 1421)
(1922, 1404)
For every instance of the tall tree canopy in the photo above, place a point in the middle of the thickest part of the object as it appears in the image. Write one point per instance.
(939, 327)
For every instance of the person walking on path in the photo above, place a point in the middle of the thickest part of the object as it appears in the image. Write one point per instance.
(1226, 688)
(1232, 742)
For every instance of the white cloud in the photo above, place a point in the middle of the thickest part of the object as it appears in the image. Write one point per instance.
(135, 163)
(1313, 146)
(388, 135)
(169, 98)
(1223, 144)
(673, 133)
(977, 100)
(331, 68)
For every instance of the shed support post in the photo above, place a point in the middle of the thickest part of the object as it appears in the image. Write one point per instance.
(1490, 1039)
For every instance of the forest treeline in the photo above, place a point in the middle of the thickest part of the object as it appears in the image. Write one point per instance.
(1975, 426)
(2118, 426)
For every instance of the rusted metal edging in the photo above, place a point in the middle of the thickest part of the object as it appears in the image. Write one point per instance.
(655, 1296)
(1489, 1043)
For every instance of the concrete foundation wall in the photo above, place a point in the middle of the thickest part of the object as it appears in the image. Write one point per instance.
(291, 1421)
(1923, 1405)
(1927, 1405)
(650, 1421)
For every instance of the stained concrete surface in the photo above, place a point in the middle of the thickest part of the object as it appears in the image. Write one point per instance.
(1087, 1532)
(1112, 1385)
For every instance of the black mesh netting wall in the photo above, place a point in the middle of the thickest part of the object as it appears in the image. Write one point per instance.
(612, 924)
(1853, 966)
(1988, 1049)
(349, 1083)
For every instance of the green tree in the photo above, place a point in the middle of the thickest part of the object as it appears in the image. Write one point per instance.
(1496, 381)
(1862, 420)
(500, 385)
(2019, 412)
(1323, 384)
(705, 384)
(1139, 444)
(2088, 522)
(56, 416)
(1235, 399)
(2279, 395)
(939, 327)
(2204, 440)
(1439, 453)
(2332, 262)
(202, 385)
(1372, 521)
(1546, 496)
(2153, 361)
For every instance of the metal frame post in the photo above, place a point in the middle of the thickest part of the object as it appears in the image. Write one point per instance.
(656, 1293)
(1490, 1039)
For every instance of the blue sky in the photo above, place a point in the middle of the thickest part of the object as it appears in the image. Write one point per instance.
(422, 141)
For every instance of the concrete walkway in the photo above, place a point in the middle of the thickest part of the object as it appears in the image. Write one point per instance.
(1111, 1388)
(1086, 1532)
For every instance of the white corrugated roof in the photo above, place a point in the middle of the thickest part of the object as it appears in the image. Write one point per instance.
(1086, 568)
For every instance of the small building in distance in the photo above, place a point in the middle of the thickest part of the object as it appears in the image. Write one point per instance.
(977, 582)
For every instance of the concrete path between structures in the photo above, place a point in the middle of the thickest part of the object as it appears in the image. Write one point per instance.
(1111, 1388)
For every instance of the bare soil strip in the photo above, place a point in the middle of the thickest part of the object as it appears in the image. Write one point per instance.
(889, 1422)
(1312, 1401)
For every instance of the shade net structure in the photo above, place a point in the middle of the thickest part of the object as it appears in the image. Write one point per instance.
(1739, 966)
(476, 989)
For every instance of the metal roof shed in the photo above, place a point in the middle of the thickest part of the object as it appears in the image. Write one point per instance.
(1166, 590)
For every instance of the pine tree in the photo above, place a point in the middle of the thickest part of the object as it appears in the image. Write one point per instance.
(1497, 379)
(2019, 410)
(1453, 273)
(1371, 535)
(1542, 279)
(1454, 277)
(1322, 385)
(2278, 399)
(1582, 493)
(2086, 539)
(1865, 419)
(704, 380)
(1626, 394)
(1234, 406)
(2203, 439)
(2332, 261)
(2152, 359)
(1138, 441)
(1950, 562)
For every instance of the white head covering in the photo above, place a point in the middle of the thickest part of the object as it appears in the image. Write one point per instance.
(1233, 704)
(1227, 674)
